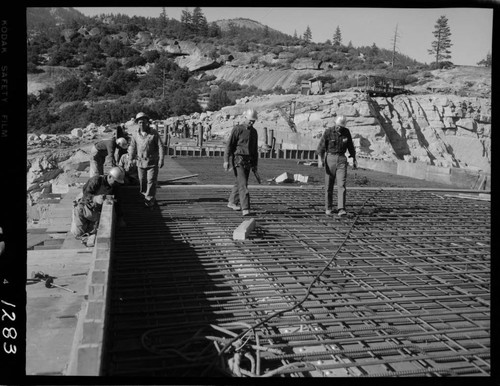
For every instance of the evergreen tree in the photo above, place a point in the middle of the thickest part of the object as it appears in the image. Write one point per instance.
(214, 30)
(440, 46)
(198, 21)
(295, 35)
(163, 20)
(485, 62)
(308, 34)
(374, 50)
(186, 20)
(337, 37)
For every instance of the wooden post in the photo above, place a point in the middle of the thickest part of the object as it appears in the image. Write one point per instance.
(200, 136)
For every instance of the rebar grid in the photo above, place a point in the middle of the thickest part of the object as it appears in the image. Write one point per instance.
(408, 293)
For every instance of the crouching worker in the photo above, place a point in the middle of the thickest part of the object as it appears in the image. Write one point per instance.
(87, 208)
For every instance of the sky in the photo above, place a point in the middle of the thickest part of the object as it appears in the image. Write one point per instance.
(471, 28)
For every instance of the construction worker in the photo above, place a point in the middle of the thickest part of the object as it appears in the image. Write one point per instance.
(130, 168)
(121, 132)
(242, 152)
(87, 207)
(331, 152)
(146, 147)
(102, 151)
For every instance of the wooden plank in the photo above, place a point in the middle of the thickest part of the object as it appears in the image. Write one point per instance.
(53, 242)
(35, 239)
(58, 228)
(70, 242)
(48, 201)
(46, 247)
(36, 230)
(58, 257)
(58, 236)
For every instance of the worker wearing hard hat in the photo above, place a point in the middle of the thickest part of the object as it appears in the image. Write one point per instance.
(331, 152)
(102, 151)
(87, 207)
(146, 147)
(130, 168)
(242, 152)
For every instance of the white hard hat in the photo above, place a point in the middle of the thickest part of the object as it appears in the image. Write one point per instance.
(118, 174)
(251, 115)
(340, 121)
(141, 115)
(122, 142)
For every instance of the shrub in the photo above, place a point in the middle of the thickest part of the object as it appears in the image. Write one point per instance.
(70, 90)
(217, 100)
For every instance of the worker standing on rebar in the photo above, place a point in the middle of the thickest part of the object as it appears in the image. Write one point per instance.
(147, 147)
(102, 151)
(334, 143)
(242, 151)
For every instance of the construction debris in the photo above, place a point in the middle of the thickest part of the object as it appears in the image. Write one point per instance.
(285, 177)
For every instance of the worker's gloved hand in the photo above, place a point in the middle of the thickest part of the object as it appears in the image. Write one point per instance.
(160, 164)
(320, 163)
(226, 166)
(99, 199)
(254, 169)
(354, 164)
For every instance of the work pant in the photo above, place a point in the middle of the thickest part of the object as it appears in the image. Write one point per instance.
(335, 170)
(239, 192)
(97, 160)
(147, 181)
(84, 220)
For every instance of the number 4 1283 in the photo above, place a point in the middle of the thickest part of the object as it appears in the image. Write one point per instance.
(9, 333)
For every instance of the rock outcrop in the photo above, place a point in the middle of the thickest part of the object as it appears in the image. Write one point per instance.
(445, 130)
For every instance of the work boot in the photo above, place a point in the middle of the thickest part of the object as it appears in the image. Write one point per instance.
(233, 206)
(341, 212)
(90, 241)
(328, 212)
(246, 212)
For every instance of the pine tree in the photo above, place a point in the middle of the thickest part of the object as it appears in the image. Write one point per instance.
(198, 20)
(394, 46)
(186, 20)
(440, 46)
(308, 34)
(295, 35)
(337, 37)
(485, 62)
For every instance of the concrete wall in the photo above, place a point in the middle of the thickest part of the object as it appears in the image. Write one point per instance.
(460, 178)
(88, 344)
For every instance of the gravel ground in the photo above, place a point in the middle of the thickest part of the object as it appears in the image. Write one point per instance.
(210, 171)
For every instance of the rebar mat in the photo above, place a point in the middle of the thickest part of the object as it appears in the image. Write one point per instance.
(405, 292)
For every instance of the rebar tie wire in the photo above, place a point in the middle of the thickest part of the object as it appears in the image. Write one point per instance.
(308, 292)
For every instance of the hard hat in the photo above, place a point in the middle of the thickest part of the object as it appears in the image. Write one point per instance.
(122, 142)
(251, 115)
(141, 115)
(340, 121)
(118, 174)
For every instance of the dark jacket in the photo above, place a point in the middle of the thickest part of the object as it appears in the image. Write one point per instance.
(107, 148)
(96, 186)
(243, 141)
(336, 140)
